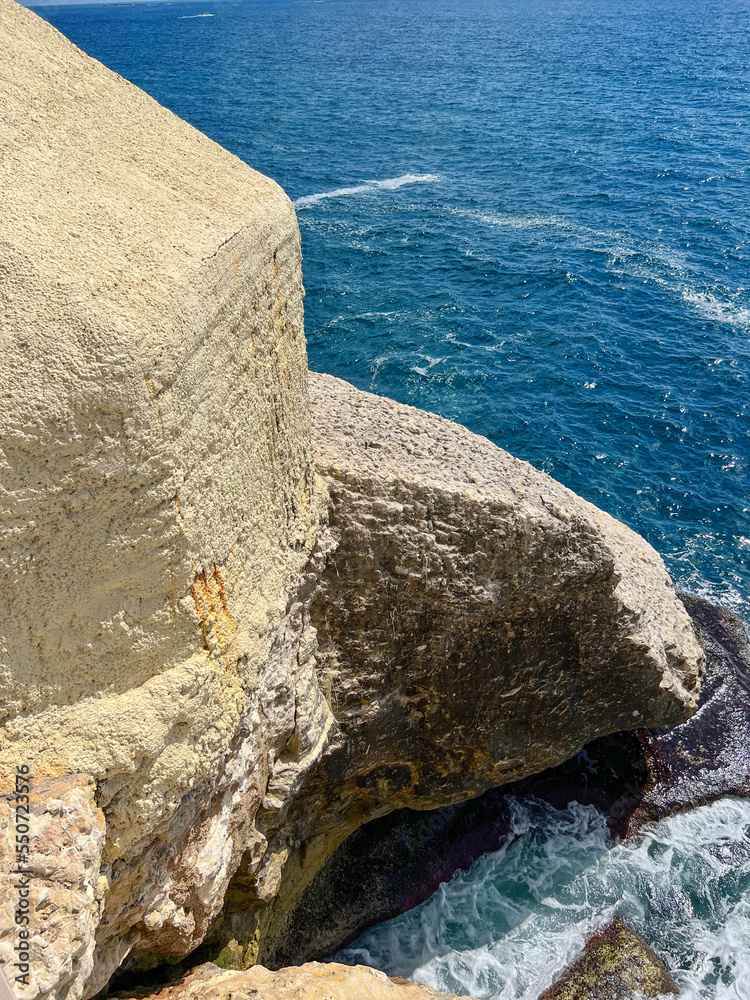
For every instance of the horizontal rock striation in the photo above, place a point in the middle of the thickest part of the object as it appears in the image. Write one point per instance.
(158, 505)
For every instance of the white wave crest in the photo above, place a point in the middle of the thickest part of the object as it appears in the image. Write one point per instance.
(191, 17)
(389, 184)
(716, 309)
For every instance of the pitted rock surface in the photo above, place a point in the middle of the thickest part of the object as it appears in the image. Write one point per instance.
(167, 571)
(396, 862)
(477, 622)
(158, 497)
(313, 981)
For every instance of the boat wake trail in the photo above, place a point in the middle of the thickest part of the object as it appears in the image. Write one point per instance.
(389, 184)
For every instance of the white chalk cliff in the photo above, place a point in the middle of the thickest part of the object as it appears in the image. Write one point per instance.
(165, 539)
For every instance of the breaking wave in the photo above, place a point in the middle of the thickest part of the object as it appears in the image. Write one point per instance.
(508, 927)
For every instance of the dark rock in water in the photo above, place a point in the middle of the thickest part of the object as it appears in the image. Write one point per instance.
(615, 965)
(709, 755)
(396, 862)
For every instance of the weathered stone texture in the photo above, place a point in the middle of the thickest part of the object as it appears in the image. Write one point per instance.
(313, 981)
(396, 862)
(164, 565)
(61, 873)
(477, 623)
(158, 502)
(469, 586)
(615, 965)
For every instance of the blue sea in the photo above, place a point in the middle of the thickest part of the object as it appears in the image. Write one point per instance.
(532, 217)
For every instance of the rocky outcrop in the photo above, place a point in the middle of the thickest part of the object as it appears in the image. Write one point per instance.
(706, 757)
(166, 562)
(477, 623)
(475, 602)
(396, 862)
(313, 981)
(61, 873)
(615, 965)
(159, 506)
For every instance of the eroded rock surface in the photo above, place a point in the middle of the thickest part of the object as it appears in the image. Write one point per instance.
(165, 560)
(709, 755)
(58, 863)
(477, 623)
(644, 775)
(313, 981)
(158, 498)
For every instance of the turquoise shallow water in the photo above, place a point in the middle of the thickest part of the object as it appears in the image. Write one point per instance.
(534, 218)
(509, 926)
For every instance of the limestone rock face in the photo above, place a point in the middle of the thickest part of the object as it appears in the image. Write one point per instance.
(313, 981)
(477, 622)
(158, 502)
(61, 871)
(476, 609)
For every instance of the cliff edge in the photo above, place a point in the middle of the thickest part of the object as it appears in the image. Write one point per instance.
(477, 622)
(159, 506)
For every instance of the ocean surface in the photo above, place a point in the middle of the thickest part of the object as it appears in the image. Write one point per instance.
(533, 217)
(508, 927)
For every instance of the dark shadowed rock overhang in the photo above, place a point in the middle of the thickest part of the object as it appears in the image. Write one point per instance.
(477, 623)
(396, 862)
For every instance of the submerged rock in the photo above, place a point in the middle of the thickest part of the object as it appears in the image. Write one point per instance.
(313, 981)
(615, 965)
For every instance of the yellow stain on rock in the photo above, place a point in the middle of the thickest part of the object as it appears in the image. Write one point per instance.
(218, 626)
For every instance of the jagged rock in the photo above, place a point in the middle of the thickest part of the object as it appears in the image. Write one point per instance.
(159, 502)
(615, 965)
(58, 865)
(313, 981)
(477, 622)
(706, 757)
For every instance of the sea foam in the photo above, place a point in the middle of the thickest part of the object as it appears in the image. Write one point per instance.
(509, 926)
